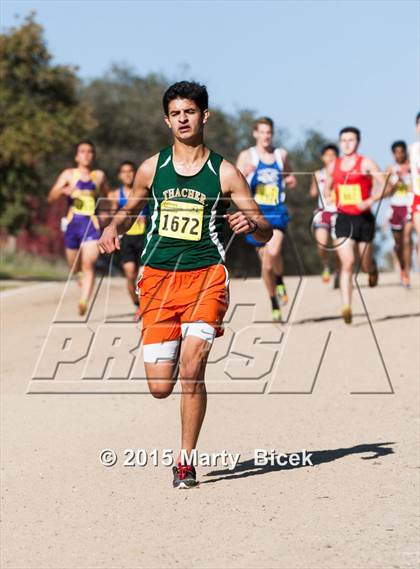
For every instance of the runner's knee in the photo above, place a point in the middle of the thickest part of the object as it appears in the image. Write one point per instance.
(347, 265)
(268, 263)
(191, 384)
(87, 265)
(130, 274)
(190, 368)
(191, 365)
(161, 389)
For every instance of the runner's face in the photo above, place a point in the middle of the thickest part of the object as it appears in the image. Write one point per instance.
(418, 127)
(85, 155)
(400, 155)
(348, 143)
(328, 157)
(126, 175)
(263, 135)
(185, 119)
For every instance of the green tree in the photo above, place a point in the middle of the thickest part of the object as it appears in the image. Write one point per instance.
(39, 113)
(128, 116)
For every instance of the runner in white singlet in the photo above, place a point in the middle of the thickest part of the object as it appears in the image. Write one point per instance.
(400, 208)
(324, 217)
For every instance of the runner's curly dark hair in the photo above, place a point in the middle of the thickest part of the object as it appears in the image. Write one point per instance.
(399, 143)
(332, 147)
(186, 90)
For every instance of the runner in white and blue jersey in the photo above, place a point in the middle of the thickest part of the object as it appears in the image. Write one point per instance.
(267, 170)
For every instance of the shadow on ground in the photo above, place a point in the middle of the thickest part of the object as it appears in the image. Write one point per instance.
(382, 285)
(248, 468)
(315, 320)
(390, 317)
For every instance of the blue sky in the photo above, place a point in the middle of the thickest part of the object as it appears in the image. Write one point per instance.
(307, 64)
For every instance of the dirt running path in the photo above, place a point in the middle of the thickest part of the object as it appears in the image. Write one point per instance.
(311, 384)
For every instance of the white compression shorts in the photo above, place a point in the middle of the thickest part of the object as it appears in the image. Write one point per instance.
(167, 352)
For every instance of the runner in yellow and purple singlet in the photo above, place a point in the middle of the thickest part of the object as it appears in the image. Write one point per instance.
(82, 186)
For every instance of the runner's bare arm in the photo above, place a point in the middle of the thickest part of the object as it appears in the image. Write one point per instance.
(61, 186)
(290, 178)
(123, 219)
(104, 204)
(380, 187)
(241, 161)
(313, 188)
(104, 187)
(244, 164)
(391, 182)
(249, 218)
(328, 187)
(113, 200)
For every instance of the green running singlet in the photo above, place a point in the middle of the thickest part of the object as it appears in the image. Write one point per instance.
(186, 224)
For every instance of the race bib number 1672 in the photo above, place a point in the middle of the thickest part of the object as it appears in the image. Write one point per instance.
(181, 220)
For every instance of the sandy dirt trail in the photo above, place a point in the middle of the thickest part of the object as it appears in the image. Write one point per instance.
(348, 397)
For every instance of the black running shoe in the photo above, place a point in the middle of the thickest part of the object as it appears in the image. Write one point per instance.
(184, 477)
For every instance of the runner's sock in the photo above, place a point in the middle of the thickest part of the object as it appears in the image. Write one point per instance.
(279, 280)
(274, 302)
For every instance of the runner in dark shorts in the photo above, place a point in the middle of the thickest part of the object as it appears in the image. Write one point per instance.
(132, 241)
(360, 228)
(354, 183)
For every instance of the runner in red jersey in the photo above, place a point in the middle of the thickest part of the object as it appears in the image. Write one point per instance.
(357, 184)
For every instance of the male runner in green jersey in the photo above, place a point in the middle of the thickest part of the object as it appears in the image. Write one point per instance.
(184, 284)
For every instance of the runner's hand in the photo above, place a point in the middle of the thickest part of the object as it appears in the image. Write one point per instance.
(365, 204)
(239, 222)
(67, 190)
(290, 181)
(109, 241)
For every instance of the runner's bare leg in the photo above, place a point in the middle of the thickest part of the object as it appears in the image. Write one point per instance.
(346, 254)
(407, 246)
(321, 236)
(130, 271)
(89, 254)
(193, 360)
(271, 261)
